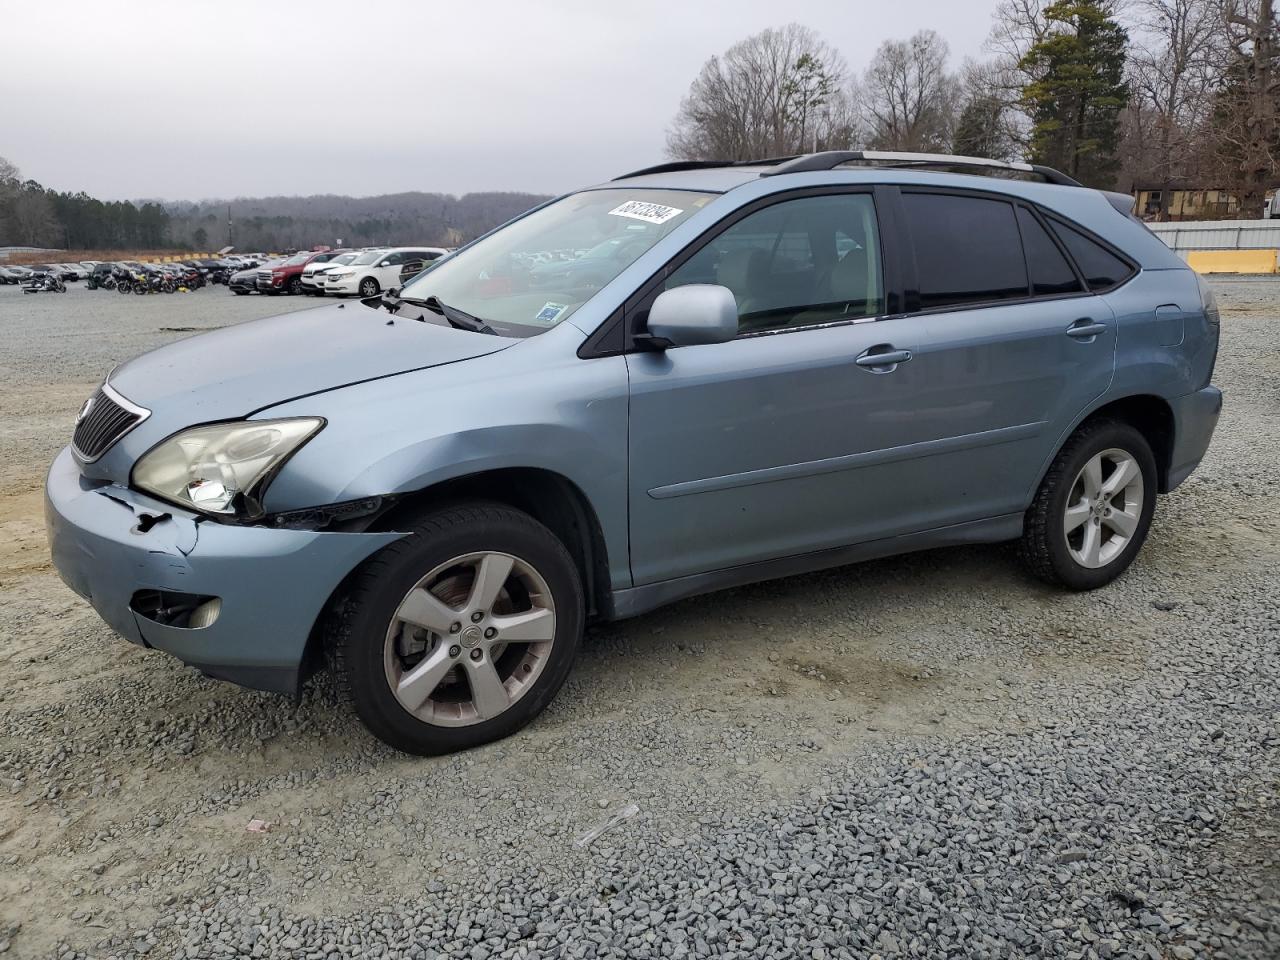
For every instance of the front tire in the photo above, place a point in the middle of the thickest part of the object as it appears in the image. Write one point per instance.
(369, 287)
(1092, 512)
(460, 633)
(295, 286)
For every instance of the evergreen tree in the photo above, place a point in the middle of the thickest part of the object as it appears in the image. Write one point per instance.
(1078, 91)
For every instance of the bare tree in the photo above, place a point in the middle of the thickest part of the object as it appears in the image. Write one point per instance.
(987, 123)
(1175, 63)
(909, 96)
(772, 94)
(1246, 126)
(31, 220)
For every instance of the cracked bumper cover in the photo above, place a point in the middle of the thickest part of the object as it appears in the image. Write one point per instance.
(273, 583)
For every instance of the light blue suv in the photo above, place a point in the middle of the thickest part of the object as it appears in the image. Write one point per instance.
(766, 368)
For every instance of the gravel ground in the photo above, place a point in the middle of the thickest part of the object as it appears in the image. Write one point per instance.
(923, 757)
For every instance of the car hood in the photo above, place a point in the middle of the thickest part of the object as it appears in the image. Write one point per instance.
(238, 370)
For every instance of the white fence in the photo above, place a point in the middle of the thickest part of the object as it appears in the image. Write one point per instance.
(6, 252)
(1192, 235)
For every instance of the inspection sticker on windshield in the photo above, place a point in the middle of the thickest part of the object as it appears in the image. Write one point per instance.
(549, 313)
(648, 212)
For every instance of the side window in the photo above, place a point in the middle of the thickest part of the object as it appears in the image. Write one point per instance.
(393, 259)
(1051, 274)
(1102, 269)
(796, 263)
(967, 249)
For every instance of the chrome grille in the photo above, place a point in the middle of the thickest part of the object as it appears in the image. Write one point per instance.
(104, 419)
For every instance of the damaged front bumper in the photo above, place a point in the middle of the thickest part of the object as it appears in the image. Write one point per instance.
(126, 553)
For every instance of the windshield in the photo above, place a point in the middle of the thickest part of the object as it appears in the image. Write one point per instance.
(367, 257)
(297, 259)
(535, 273)
(342, 258)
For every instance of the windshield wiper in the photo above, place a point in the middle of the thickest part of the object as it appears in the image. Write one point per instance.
(456, 317)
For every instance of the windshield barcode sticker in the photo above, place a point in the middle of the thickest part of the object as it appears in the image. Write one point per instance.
(648, 212)
(550, 312)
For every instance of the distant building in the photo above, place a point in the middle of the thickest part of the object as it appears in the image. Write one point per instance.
(1186, 204)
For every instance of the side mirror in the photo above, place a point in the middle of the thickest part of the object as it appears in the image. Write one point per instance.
(696, 313)
(385, 263)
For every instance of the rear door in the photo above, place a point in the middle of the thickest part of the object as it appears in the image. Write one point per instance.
(1014, 346)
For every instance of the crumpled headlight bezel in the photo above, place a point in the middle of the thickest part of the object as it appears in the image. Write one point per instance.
(246, 504)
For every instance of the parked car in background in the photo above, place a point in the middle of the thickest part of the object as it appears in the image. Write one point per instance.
(314, 273)
(376, 270)
(413, 267)
(13, 274)
(102, 275)
(245, 281)
(73, 271)
(286, 275)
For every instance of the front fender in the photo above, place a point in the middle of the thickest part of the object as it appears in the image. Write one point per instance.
(531, 406)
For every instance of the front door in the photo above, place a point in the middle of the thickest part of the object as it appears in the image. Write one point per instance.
(794, 437)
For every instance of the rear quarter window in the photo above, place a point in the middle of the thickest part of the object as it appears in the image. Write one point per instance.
(1051, 272)
(1102, 269)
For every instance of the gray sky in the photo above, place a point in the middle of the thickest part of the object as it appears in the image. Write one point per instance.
(384, 96)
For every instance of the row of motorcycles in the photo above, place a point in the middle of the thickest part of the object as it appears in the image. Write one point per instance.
(146, 278)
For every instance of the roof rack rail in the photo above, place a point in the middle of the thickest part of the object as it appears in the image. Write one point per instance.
(677, 165)
(830, 159)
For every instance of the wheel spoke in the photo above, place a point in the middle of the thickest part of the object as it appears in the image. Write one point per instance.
(532, 626)
(1122, 522)
(487, 692)
(424, 609)
(1092, 476)
(1124, 474)
(1091, 548)
(491, 573)
(416, 686)
(1077, 515)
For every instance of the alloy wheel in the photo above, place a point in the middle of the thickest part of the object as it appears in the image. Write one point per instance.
(470, 639)
(1104, 508)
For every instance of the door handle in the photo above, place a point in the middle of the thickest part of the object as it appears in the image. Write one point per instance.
(882, 359)
(1086, 328)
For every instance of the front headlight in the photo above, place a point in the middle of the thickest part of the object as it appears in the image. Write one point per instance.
(222, 468)
(343, 274)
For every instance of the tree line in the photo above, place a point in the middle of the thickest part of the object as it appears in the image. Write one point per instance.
(31, 215)
(1115, 93)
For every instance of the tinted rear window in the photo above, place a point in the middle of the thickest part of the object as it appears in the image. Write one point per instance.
(1051, 274)
(967, 249)
(1102, 269)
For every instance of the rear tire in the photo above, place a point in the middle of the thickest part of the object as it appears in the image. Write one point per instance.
(483, 675)
(1092, 512)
